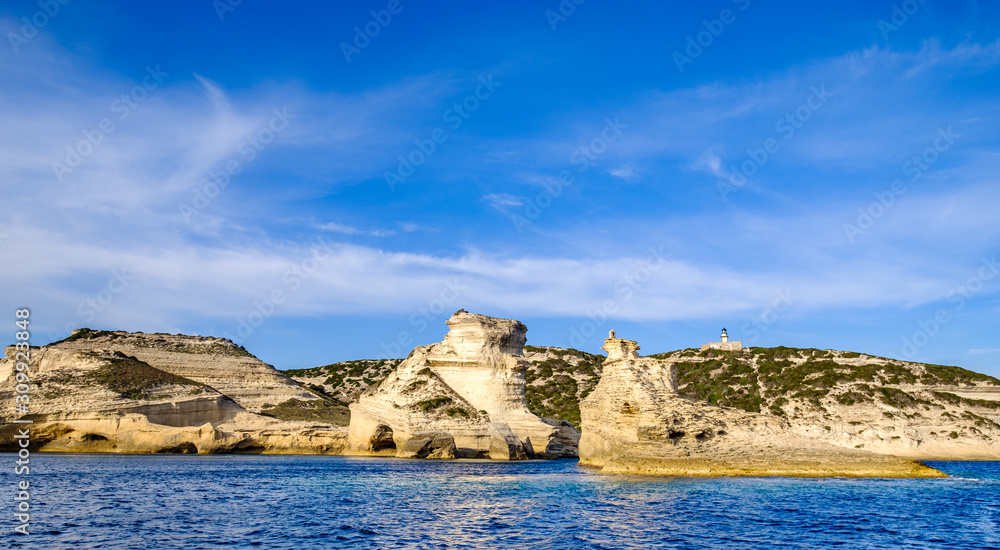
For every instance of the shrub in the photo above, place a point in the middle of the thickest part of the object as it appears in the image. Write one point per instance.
(318, 410)
(434, 403)
(131, 378)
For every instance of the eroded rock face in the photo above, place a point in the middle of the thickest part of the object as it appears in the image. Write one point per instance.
(89, 396)
(216, 362)
(636, 422)
(471, 386)
(429, 445)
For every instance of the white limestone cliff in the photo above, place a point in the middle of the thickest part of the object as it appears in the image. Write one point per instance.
(90, 396)
(471, 386)
(636, 422)
(216, 362)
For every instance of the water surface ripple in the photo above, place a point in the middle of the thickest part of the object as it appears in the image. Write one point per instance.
(306, 502)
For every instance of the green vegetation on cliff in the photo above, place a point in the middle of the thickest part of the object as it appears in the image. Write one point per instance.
(319, 410)
(773, 380)
(134, 379)
(346, 380)
(165, 342)
(87, 334)
(558, 379)
(777, 381)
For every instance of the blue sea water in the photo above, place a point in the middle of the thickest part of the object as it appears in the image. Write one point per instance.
(306, 502)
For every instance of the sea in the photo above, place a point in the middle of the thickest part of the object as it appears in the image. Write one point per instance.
(310, 502)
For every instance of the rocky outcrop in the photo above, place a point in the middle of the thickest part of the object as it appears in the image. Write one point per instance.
(429, 445)
(636, 422)
(135, 433)
(471, 386)
(90, 396)
(344, 381)
(843, 398)
(854, 400)
(215, 362)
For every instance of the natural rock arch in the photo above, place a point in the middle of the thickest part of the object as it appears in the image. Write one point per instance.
(382, 439)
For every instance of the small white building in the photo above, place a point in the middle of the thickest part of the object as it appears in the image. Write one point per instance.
(725, 344)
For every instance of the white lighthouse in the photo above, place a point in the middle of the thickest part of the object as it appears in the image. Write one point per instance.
(724, 343)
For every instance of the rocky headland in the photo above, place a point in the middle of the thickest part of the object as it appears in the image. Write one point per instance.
(635, 421)
(482, 393)
(847, 399)
(100, 391)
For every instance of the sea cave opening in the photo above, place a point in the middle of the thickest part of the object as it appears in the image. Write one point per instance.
(382, 439)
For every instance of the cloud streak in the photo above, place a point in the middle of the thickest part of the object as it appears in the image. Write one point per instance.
(389, 253)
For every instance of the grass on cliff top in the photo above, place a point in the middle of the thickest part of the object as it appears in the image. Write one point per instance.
(131, 378)
(156, 340)
(87, 334)
(368, 371)
(729, 379)
(555, 386)
(319, 410)
(355, 368)
(957, 400)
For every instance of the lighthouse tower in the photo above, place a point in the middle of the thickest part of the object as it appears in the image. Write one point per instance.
(724, 343)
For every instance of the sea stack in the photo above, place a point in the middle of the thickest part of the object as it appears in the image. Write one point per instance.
(636, 422)
(460, 398)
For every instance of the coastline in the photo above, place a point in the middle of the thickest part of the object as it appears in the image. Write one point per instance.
(813, 466)
(880, 467)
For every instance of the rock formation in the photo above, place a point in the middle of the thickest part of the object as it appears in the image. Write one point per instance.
(783, 410)
(848, 399)
(94, 393)
(854, 400)
(215, 362)
(469, 386)
(635, 421)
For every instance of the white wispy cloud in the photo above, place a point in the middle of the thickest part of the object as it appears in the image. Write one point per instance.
(623, 172)
(710, 162)
(410, 227)
(334, 227)
(500, 200)
(118, 209)
(181, 280)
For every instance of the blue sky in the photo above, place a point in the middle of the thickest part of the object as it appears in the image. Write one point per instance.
(804, 175)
